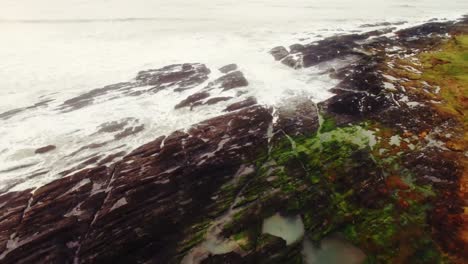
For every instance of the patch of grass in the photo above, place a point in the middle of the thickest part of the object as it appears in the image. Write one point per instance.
(328, 124)
(448, 68)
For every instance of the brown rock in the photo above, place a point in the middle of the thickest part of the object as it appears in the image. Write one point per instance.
(192, 99)
(228, 68)
(138, 209)
(292, 61)
(216, 100)
(295, 48)
(242, 104)
(229, 81)
(279, 52)
(129, 131)
(45, 149)
(298, 118)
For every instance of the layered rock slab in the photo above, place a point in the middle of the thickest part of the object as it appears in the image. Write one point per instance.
(136, 209)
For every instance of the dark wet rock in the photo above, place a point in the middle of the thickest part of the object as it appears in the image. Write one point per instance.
(89, 161)
(362, 75)
(45, 149)
(269, 249)
(138, 209)
(56, 218)
(228, 258)
(229, 81)
(293, 61)
(125, 127)
(87, 98)
(461, 27)
(331, 48)
(242, 104)
(19, 167)
(384, 24)
(355, 105)
(228, 68)
(151, 148)
(110, 158)
(40, 104)
(416, 119)
(12, 206)
(376, 24)
(375, 33)
(87, 147)
(11, 183)
(177, 181)
(279, 52)
(129, 131)
(360, 93)
(192, 99)
(425, 36)
(185, 76)
(424, 30)
(178, 77)
(298, 118)
(114, 126)
(295, 48)
(11, 113)
(216, 100)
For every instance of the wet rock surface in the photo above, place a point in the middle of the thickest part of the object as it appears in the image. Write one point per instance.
(192, 99)
(117, 208)
(383, 24)
(242, 104)
(299, 118)
(232, 79)
(45, 149)
(279, 53)
(184, 75)
(14, 112)
(115, 126)
(178, 77)
(229, 81)
(228, 68)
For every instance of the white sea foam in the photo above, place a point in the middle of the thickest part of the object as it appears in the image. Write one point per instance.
(59, 49)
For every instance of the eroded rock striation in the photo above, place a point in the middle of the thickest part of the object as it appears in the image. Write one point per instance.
(136, 205)
(178, 77)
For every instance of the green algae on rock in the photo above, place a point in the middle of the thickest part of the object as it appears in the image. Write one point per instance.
(363, 180)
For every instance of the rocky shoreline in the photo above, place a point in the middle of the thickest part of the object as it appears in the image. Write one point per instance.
(377, 172)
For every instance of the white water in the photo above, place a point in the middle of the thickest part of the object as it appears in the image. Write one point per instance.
(59, 49)
(333, 250)
(290, 229)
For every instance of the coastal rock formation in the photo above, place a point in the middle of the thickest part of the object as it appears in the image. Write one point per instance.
(178, 77)
(279, 52)
(185, 76)
(298, 118)
(228, 68)
(193, 99)
(239, 105)
(132, 209)
(45, 149)
(231, 80)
